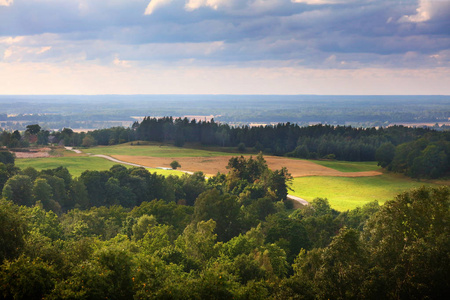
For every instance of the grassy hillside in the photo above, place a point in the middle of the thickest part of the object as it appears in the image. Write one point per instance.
(348, 193)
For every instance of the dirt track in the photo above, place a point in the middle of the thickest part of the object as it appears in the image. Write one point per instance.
(212, 165)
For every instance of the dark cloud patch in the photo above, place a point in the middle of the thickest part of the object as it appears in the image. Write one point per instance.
(347, 34)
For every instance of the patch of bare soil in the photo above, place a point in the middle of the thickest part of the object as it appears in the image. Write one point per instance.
(33, 153)
(211, 165)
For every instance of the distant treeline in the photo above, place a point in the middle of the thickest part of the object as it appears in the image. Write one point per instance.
(284, 139)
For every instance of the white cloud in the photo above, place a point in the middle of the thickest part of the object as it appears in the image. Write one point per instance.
(196, 4)
(7, 53)
(21, 53)
(427, 10)
(43, 49)
(154, 4)
(121, 63)
(6, 2)
(423, 13)
(9, 40)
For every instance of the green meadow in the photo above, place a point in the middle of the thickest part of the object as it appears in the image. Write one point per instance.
(75, 165)
(154, 150)
(345, 193)
(78, 164)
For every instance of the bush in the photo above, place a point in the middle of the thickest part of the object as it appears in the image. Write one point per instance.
(174, 165)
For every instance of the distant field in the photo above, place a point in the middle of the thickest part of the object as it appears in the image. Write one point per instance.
(346, 193)
(77, 165)
(153, 150)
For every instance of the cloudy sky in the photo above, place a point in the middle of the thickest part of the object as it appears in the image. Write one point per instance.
(225, 47)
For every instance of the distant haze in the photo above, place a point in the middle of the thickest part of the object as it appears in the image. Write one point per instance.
(90, 112)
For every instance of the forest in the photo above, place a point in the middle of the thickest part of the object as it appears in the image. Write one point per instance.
(127, 233)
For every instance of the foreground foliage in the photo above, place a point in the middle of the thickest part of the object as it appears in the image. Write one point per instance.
(105, 235)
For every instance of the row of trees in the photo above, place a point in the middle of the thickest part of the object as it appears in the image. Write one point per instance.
(417, 152)
(319, 140)
(344, 143)
(312, 142)
(32, 135)
(423, 158)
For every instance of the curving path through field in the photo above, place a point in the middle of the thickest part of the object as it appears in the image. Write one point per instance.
(291, 197)
(120, 161)
(298, 199)
(74, 150)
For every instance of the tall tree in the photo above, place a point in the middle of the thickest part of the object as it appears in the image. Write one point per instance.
(33, 129)
(19, 190)
(224, 209)
(13, 229)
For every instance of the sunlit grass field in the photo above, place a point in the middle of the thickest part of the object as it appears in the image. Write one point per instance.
(154, 150)
(346, 193)
(77, 165)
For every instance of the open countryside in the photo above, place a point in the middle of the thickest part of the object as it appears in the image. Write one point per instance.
(346, 185)
(224, 149)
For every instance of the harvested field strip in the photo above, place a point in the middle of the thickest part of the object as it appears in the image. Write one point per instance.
(212, 165)
(348, 193)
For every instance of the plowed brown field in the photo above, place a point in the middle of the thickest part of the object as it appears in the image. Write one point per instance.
(211, 165)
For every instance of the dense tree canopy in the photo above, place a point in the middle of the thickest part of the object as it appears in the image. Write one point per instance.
(166, 250)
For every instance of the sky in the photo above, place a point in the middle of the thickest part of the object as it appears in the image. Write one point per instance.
(326, 47)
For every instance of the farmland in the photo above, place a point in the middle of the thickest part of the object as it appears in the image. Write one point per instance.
(345, 184)
(211, 162)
